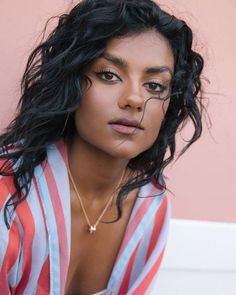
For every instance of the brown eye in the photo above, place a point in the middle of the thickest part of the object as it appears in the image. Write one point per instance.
(155, 87)
(107, 76)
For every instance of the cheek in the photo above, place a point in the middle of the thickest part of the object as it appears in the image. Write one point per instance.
(90, 104)
(155, 112)
(153, 117)
(91, 114)
(97, 98)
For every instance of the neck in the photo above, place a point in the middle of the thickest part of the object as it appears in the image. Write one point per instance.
(95, 173)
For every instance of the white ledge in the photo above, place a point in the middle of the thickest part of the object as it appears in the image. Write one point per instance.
(201, 245)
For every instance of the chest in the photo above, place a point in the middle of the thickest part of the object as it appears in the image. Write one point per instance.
(93, 255)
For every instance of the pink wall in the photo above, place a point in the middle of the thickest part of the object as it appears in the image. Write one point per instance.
(203, 180)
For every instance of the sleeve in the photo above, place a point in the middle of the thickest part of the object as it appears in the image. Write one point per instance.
(9, 244)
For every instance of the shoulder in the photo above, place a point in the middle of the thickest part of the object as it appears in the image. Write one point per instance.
(27, 213)
(27, 229)
(156, 205)
(155, 190)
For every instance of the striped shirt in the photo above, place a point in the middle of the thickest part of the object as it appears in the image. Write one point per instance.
(35, 252)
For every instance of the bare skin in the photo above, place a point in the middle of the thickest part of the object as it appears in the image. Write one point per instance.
(92, 260)
(99, 154)
(93, 256)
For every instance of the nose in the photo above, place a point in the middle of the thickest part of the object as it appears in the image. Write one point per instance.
(132, 97)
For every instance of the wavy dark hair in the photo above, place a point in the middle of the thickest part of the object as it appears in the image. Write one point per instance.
(51, 90)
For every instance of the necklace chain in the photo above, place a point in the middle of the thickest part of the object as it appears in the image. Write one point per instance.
(93, 227)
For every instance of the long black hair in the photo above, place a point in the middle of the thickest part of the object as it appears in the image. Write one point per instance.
(51, 89)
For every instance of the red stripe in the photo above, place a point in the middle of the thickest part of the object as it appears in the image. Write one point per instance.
(43, 287)
(60, 221)
(4, 192)
(158, 224)
(125, 282)
(27, 222)
(6, 186)
(40, 204)
(6, 163)
(13, 244)
(136, 221)
(25, 216)
(10, 257)
(12, 290)
(144, 285)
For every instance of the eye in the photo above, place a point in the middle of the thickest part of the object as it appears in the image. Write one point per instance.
(155, 87)
(108, 76)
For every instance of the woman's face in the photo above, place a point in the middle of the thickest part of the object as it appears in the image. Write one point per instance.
(121, 113)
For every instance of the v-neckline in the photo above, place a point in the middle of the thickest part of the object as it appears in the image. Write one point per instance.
(119, 260)
(114, 272)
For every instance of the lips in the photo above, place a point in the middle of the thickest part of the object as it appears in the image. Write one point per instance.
(127, 122)
(126, 126)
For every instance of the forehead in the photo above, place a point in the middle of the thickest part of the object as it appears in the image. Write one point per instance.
(148, 48)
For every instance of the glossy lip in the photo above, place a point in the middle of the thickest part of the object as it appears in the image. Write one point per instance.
(126, 126)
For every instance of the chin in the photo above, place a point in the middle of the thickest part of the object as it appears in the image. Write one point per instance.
(124, 153)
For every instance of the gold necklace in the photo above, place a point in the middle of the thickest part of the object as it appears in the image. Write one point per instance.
(93, 227)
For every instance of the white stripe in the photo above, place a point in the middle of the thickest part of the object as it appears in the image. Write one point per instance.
(12, 275)
(118, 274)
(39, 243)
(20, 261)
(140, 259)
(60, 174)
(15, 273)
(157, 250)
(153, 286)
(120, 267)
(52, 231)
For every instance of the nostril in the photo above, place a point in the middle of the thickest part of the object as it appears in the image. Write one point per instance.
(140, 109)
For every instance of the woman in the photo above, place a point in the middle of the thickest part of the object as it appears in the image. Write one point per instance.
(82, 197)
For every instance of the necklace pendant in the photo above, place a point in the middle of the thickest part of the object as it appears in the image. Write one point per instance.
(92, 229)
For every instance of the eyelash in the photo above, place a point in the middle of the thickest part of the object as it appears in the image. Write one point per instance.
(102, 72)
(159, 85)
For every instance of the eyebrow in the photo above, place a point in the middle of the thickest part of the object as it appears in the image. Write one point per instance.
(120, 62)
